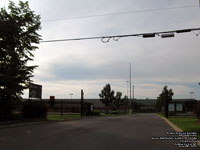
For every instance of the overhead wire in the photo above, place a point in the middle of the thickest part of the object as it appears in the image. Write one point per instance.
(120, 13)
(106, 39)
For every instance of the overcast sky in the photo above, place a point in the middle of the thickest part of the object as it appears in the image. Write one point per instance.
(68, 67)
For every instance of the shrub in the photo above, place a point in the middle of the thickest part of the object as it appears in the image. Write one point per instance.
(93, 113)
(114, 112)
(96, 113)
(34, 109)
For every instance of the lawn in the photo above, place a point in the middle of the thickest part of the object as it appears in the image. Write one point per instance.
(186, 123)
(190, 123)
(63, 117)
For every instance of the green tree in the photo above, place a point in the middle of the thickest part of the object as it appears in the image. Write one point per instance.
(118, 102)
(159, 103)
(125, 102)
(18, 38)
(164, 98)
(107, 96)
(135, 106)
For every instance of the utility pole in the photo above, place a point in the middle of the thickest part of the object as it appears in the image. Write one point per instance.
(130, 81)
(133, 93)
(82, 103)
(61, 108)
(71, 95)
(127, 88)
(199, 3)
(191, 94)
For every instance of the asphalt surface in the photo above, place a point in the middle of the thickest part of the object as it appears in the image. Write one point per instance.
(130, 132)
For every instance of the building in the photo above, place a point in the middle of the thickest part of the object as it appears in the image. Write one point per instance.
(179, 106)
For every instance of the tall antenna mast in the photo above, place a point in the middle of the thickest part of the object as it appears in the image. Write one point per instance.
(130, 81)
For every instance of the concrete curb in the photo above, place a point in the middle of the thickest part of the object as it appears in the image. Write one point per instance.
(23, 124)
(45, 121)
(175, 127)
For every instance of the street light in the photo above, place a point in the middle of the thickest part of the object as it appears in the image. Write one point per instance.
(191, 94)
(167, 35)
(71, 95)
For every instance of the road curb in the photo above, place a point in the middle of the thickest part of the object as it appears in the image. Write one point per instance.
(23, 124)
(45, 121)
(177, 129)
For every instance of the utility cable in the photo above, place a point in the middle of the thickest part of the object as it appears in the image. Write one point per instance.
(120, 13)
(106, 39)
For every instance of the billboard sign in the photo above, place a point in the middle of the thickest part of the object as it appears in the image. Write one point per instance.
(35, 91)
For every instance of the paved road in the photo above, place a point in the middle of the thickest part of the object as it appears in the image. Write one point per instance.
(132, 132)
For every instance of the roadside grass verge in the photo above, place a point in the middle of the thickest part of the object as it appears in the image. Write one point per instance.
(160, 114)
(185, 123)
(58, 117)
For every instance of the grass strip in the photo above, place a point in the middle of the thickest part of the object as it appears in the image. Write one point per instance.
(187, 124)
(57, 117)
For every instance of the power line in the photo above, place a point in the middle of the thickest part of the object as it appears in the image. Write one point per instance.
(106, 39)
(120, 13)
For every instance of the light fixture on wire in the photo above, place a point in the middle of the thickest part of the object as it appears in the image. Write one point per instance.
(167, 35)
(106, 39)
(148, 35)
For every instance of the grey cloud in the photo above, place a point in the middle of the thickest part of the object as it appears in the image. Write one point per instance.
(85, 72)
(160, 61)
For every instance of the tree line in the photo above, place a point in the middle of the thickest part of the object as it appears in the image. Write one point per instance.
(112, 100)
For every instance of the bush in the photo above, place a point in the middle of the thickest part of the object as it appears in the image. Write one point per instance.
(34, 109)
(96, 113)
(8, 108)
(114, 112)
(93, 113)
(197, 109)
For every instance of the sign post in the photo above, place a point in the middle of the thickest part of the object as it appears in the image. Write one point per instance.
(61, 108)
(52, 101)
(82, 102)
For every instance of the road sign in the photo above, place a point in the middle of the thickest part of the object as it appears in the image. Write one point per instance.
(35, 91)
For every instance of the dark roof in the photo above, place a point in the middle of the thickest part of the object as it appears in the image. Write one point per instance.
(146, 102)
(183, 100)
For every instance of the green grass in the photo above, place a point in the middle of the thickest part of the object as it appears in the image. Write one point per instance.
(63, 117)
(187, 124)
(160, 114)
